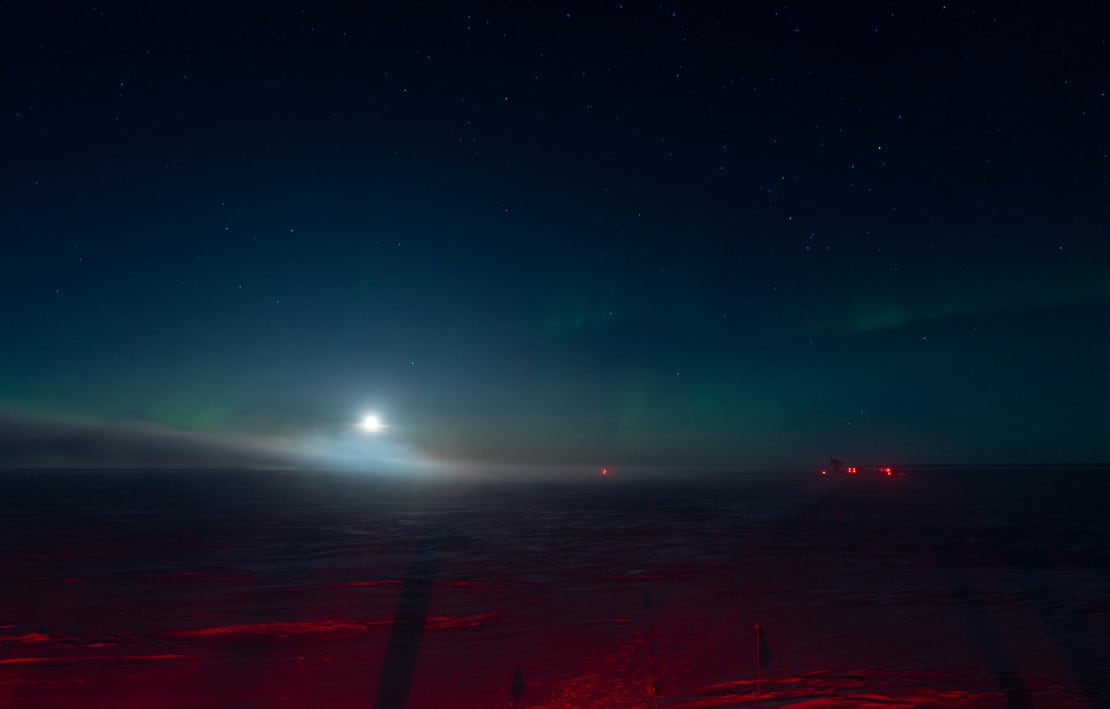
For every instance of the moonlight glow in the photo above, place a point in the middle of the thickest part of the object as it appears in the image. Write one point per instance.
(371, 423)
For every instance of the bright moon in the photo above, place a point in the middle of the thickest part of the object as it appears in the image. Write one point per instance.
(371, 424)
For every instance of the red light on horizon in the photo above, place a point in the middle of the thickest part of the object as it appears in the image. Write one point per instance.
(604, 471)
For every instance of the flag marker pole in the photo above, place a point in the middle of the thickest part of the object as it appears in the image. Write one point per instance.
(758, 631)
(653, 688)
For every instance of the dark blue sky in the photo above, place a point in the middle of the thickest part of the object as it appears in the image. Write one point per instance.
(565, 232)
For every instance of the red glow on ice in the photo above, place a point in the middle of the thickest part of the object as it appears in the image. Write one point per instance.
(26, 638)
(104, 658)
(286, 628)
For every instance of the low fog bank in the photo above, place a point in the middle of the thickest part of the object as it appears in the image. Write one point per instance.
(28, 441)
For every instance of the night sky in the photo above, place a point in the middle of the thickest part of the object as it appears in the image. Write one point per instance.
(748, 235)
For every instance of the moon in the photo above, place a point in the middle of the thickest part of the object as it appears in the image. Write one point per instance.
(371, 423)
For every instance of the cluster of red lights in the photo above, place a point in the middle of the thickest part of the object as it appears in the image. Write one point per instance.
(854, 470)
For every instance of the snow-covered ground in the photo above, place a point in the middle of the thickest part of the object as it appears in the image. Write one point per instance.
(961, 588)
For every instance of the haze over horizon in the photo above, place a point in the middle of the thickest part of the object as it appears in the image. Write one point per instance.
(35, 442)
(580, 235)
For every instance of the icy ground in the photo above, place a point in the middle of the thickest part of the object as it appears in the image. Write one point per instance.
(958, 588)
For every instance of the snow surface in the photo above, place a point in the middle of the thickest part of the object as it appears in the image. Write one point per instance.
(957, 588)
